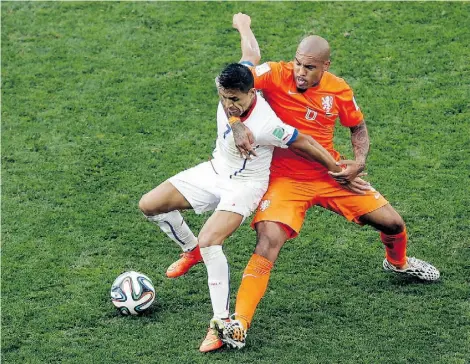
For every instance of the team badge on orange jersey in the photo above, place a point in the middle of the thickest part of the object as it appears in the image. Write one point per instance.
(327, 103)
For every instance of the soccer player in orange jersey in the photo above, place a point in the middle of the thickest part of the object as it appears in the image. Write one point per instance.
(228, 184)
(306, 96)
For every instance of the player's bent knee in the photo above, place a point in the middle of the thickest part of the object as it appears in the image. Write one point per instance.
(271, 238)
(270, 232)
(149, 207)
(144, 206)
(206, 239)
(385, 219)
(395, 225)
(391, 223)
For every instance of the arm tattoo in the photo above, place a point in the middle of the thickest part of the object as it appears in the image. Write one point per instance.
(360, 142)
(238, 131)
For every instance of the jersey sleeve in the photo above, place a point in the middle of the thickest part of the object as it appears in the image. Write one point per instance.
(349, 112)
(276, 133)
(247, 63)
(266, 75)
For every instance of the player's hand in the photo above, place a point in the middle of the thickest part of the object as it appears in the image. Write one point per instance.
(352, 170)
(244, 140)
(357, 185)
(241, 21)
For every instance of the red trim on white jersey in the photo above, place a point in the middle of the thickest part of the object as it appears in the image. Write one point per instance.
(251, 109)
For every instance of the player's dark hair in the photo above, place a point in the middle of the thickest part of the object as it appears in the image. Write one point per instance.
(236, 77)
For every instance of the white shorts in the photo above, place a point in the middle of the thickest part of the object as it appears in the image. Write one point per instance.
(206, 190)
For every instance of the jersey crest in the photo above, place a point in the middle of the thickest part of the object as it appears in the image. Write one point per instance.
(327, 103)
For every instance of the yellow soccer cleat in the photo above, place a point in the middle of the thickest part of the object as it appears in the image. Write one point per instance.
(212, 341)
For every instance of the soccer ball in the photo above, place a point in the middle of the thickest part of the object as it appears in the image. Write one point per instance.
(132, 293)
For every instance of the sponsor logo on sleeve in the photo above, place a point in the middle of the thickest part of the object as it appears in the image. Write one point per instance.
(279, 132)
(262, 69)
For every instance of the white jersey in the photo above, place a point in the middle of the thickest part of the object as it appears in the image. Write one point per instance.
(268, 130)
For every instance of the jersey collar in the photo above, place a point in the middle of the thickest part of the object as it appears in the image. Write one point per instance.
(243, 118)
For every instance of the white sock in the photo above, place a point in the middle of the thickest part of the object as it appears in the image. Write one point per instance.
(218, 279)
(173, 225)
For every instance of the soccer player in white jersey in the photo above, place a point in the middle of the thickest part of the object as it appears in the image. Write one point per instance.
(229, 185)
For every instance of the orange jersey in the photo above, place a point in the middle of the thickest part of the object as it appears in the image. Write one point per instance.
(312, 112)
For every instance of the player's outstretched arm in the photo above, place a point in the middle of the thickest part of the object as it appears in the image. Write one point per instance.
(360, 143)
(310, 149)
(249, 44)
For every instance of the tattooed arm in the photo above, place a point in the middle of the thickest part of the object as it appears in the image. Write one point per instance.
(360, 143)
(355, 168)
(244, 139)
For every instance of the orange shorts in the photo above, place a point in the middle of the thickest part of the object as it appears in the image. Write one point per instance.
(287, 200)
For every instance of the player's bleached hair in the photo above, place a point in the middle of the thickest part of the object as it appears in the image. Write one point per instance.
(236, 77)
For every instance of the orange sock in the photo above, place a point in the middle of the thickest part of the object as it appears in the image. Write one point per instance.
(395, 247)
(252, 289)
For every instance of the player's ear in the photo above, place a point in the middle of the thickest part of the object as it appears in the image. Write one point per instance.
(252, 92)
(326, 65)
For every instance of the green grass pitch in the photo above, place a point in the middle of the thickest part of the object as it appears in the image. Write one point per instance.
(102, 101)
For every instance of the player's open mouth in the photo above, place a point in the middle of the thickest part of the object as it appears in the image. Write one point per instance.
(301, 82)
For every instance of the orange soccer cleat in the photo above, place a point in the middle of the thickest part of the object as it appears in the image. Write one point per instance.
(211, 342)
(182, 265)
